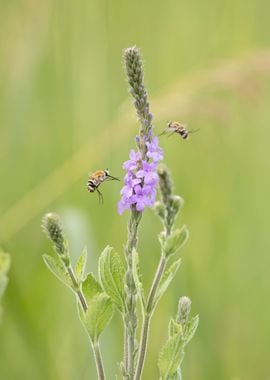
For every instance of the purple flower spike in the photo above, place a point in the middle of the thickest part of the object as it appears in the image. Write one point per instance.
(141, 178)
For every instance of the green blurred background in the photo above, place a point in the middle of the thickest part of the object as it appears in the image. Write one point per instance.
(65, 112)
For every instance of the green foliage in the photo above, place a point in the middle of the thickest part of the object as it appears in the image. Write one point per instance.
(57, 267)
(166, 279)
(91, 287)
(174, 328)
(171, 356)
(190, 329)
(80, 266)
(98, 315)
(171, 244)
(100, 307)
(111, 275)
(172, 353)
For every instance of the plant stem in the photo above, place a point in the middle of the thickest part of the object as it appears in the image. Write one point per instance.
(147, 317)
(95, 345)
(77, 288)
(98, 360)
(131, 298)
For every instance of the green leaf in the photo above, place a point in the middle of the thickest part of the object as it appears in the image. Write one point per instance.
(167, 279)
(174, 327)
(98, 315)
(190, 329)
(56, 266)
(171, 356)
(137, 277)
(174, 241)
(111, 275)
(91, 287)
(81, 264)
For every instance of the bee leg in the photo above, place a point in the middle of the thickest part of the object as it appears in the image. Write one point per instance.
(100, 196)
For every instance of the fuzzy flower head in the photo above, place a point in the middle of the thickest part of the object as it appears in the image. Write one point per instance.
(141, 178)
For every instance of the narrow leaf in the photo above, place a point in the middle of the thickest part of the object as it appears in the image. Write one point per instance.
(90, 287)
(111, 275)
(81, 264)
(98, 315)
(57, 268)
(166, 279)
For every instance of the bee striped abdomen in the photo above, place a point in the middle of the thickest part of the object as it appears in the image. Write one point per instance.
(91, 185)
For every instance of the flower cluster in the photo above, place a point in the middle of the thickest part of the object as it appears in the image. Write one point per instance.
(141, 178)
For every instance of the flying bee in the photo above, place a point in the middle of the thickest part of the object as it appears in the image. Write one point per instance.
(96, 179)
(175, 127)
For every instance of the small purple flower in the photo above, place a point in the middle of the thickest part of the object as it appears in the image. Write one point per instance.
(132, 164)
(141, 178)
(154, 151)
(148, 173)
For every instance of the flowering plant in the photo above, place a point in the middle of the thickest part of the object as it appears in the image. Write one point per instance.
(119, 286)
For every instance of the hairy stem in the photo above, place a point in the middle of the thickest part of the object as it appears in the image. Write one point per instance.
(95, 345)
(98, 360)
(147, 317)
(131, 297)
(77, 288)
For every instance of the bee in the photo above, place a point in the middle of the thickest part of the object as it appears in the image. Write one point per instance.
(96, 179)
(175, 127)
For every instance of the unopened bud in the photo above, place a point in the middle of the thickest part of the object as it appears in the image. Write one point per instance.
(159, 209)
(51, 225)
(176, 203)
(183, 311)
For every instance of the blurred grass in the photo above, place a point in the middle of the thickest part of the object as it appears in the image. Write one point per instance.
(64, 112)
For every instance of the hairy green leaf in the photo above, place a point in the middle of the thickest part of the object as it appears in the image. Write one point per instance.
(81, 264)
(137, 277)
(190, 329)
(56, 266)
(171, 356)
(98, 315)
(91, 287)
(175, 241)
(167, 279)
(111, 275)
(174, 327)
